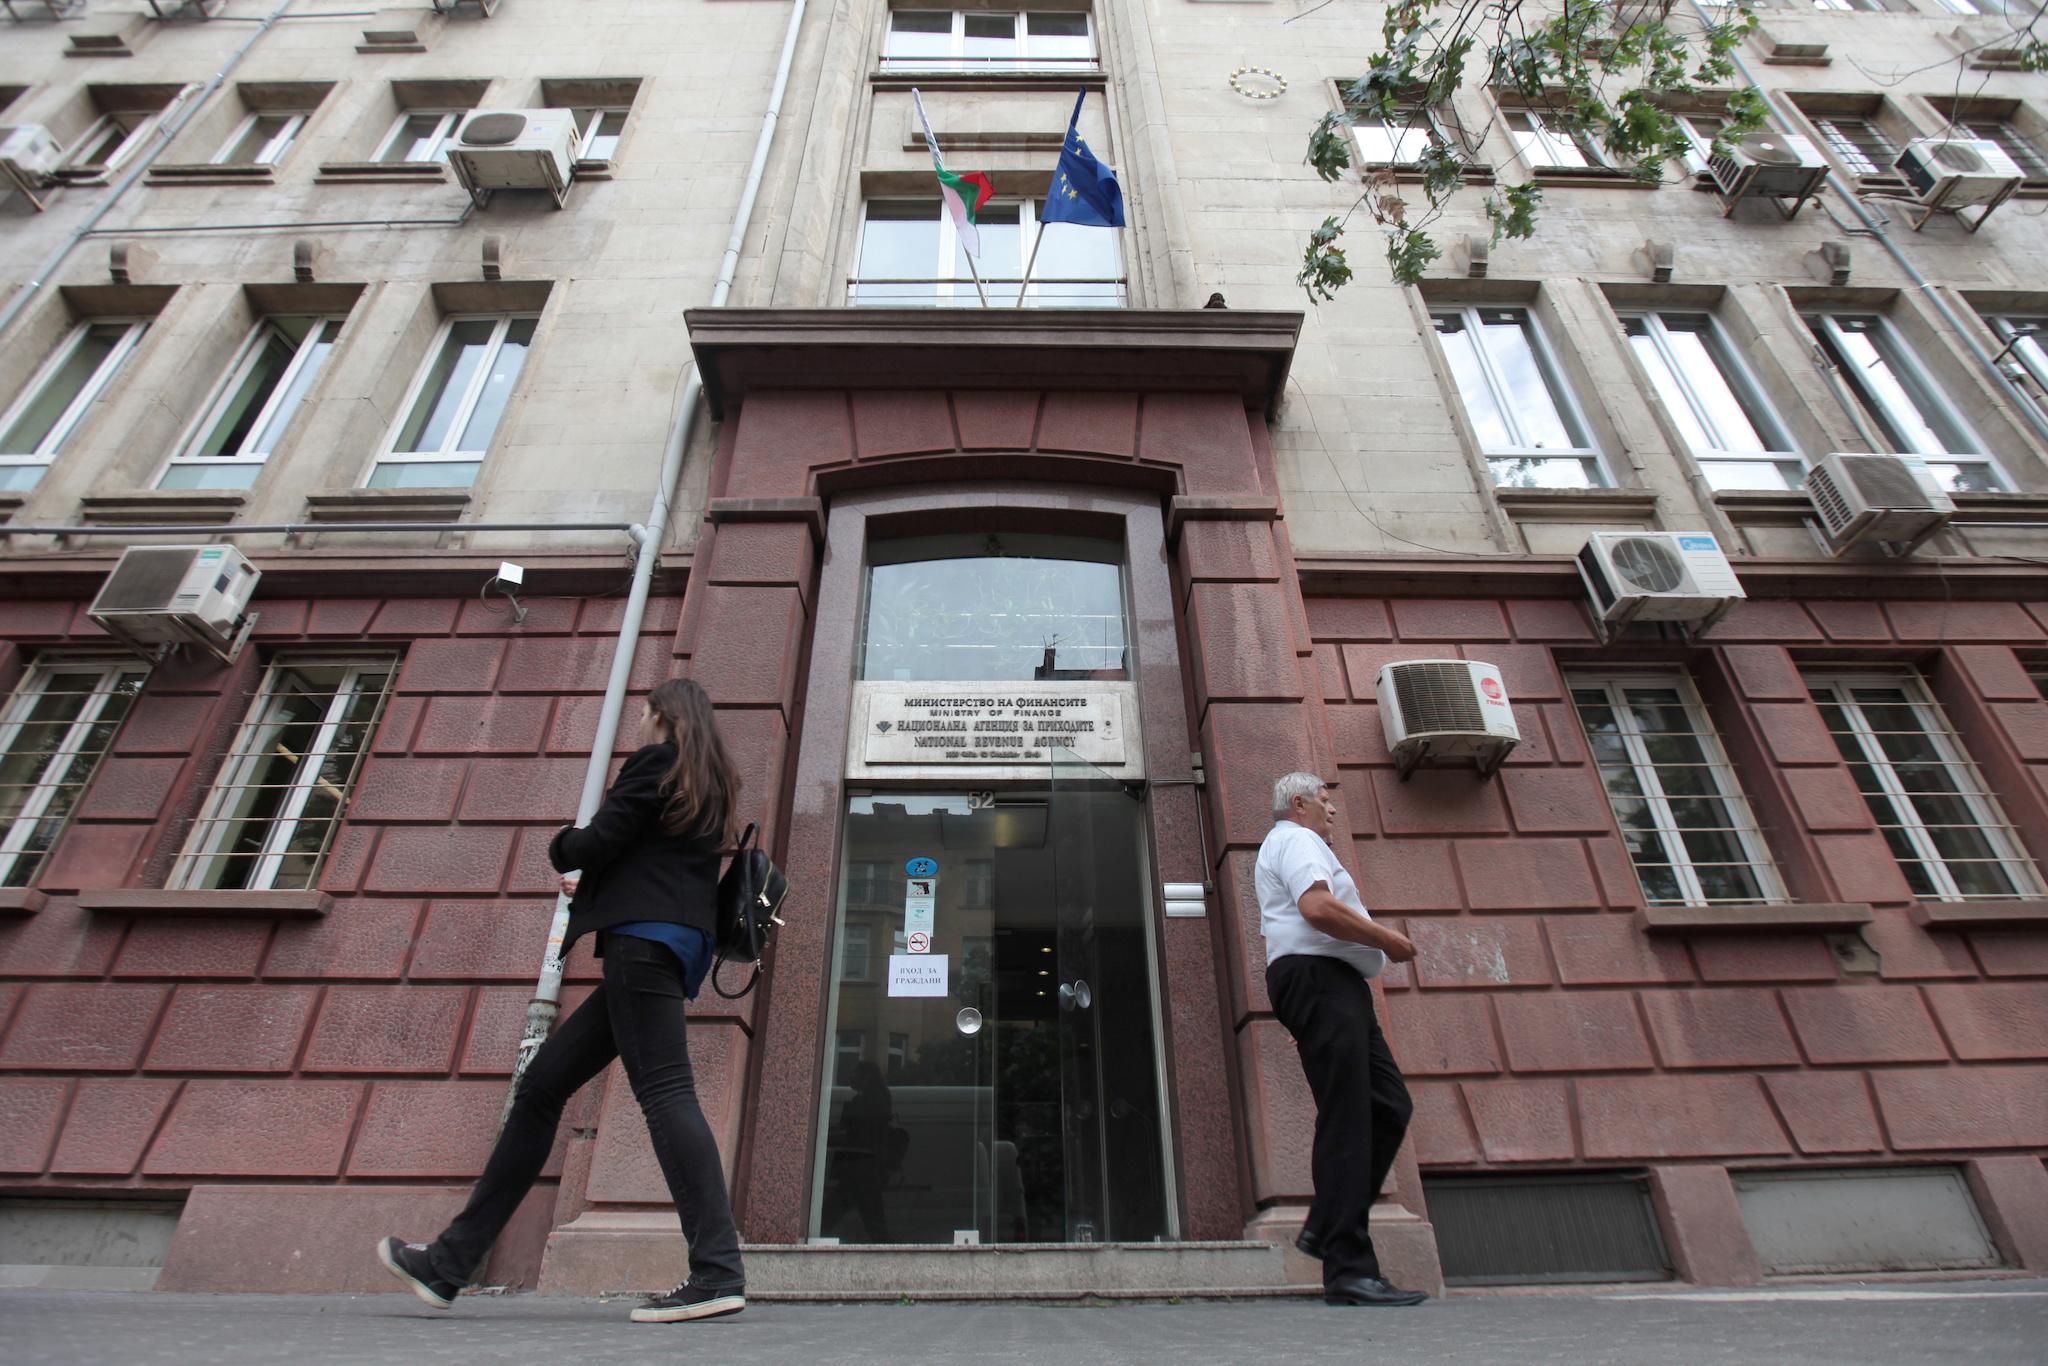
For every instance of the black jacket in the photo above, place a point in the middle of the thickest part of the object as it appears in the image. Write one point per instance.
(633, 869)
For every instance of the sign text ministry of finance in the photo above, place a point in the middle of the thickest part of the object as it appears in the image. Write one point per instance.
(942, 726)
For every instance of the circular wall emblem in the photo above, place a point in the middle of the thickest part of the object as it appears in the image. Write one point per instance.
(1491, 687)
(1258, 83)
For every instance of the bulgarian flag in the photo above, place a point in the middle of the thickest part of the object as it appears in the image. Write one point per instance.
(964, 194)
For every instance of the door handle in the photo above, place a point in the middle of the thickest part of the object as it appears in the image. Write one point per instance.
(1077, 996)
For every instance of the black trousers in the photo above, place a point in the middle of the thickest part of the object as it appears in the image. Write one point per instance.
(637, 1015)
(1362, 1105)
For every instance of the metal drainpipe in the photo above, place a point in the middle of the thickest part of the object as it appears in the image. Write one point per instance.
(547, 990)
(166, 132)
(1874, 227)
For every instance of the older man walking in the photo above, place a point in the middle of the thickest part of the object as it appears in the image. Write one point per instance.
(1321, 951)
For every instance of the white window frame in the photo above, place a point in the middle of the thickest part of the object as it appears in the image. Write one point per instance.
(957, 59)
(1544, 148)
(1735, 373)
(450, 453)
(70, 754)
(437, 150)
(1408, 121)
(137, 133)
(1700, 143)
(1562, 396)
(956, 291)
(1671, 835)
(252, 349)
(2026, 338)
(1932, 407)
(272, 151)
(214, 831)
(1972, 790)
(857, 951)
(586, 138)
(1843, 148)
(88, 393)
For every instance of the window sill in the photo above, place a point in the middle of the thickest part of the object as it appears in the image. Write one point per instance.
(11, 503)
(1765, 507)
(1085, 78)
(1981, 915)
(150, 507)
(1592, 179)
(387, 505)
(1407, 173)
(255, 905)
(1576, 505)
(589, 169)
(1796, 919)
(205, 173)
(22, 900)
(2000, 507)
(371, 172)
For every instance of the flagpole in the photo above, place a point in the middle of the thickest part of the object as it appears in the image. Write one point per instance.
(977, 278)
(1025, 283)
(1038, 240)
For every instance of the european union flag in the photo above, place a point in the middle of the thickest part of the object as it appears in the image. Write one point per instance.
(1083, 191)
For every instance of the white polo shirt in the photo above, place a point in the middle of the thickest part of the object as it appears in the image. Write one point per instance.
(1293, 859)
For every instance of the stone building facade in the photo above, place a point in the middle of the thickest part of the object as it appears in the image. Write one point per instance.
(263, 1026)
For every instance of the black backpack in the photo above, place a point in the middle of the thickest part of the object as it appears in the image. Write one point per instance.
(749, 908)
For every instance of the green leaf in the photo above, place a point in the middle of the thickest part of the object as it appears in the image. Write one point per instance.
(1512, 210)
(1409, 252)
(1329, 151)
(1324, 270)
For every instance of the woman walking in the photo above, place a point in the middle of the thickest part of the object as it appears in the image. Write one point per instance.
(648, 890)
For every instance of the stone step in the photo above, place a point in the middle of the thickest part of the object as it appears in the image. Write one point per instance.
(619, 1252)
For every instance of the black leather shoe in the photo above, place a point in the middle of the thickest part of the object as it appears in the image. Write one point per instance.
(1369, 1290)
(1309, 1244)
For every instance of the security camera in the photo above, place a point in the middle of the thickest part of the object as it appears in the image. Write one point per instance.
(507, 581)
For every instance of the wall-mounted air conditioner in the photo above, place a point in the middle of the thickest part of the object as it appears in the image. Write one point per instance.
(1674, 576)
(1892, 499)
(178, 595)
(1768, 165)
(1445, 709)
(29, 158)
(515, 149)
(1952, 173)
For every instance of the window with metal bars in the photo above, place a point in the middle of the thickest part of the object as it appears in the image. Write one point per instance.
(1682, 814)
(278, 803)
(55, 730)
(1945, 827)
(1863, 148)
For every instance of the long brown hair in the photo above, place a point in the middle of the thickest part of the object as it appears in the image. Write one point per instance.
(704, 786)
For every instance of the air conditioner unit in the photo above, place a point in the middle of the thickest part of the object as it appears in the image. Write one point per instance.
(177, 595)
(1768, 165)
(1890, 498)
(1445, 709)
(515, 149)
(1658, 576)
(1951, 172)
(29, 157)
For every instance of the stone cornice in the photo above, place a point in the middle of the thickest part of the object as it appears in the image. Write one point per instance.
(1557, 576)
(379, 569)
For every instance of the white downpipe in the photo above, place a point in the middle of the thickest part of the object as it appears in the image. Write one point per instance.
(547, 991)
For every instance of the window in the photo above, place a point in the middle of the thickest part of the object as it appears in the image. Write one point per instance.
(910, 257)
(418, 135)
(598, 132)
(456, 403)
(36, 427)
(1548, 142)
(1946, 830)
(856, 953)
(1711, 397)
(261, 139)
(899, 1054)
(277, 805)
(56, 729)
(970, 40)
(1909, 413)
(1527, 421)
(1863, 148)
(1396, 138)
(255, 403)
(847, 1047)
(1681, 812)
(868, 883)
(1700, 131)
(2027, 340)
(112, 139)
(2025, 154)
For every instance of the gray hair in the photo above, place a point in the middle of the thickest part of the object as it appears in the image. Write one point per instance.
(1292, 786)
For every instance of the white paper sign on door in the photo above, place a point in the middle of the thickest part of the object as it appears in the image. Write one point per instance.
(918, 974)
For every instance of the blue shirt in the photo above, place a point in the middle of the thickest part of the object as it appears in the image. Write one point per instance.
(692, 947)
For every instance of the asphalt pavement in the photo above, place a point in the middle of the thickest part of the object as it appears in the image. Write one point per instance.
(1856, 1324)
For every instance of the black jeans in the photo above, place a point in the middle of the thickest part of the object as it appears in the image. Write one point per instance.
(1362, 1105)
(636, 1015)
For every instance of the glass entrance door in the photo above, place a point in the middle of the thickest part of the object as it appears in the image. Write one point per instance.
(994, 1069)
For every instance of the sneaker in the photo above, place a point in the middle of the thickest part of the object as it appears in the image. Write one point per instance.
(688, 1301)
(411, 1264)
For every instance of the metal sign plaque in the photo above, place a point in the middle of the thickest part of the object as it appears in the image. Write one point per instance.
(977, 723)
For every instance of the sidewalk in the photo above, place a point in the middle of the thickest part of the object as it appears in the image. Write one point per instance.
(1856, 1324)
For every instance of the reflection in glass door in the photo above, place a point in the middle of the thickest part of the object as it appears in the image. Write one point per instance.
(1019, 1100)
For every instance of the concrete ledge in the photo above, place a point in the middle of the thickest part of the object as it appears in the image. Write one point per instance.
(293, 905)
(1980, 915)
(1702, 1225)
(809, 511)
(282, 1240)
(1801, 919)
(22, 900)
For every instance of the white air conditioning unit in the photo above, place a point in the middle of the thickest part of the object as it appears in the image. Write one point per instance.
(1951, 172)
(29, 158)
(1677, 576)
(1445, 709)
(1769, 165)
(177, 595)
(515, 149)
(1889, 498)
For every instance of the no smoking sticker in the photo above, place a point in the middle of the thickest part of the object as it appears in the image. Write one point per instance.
(920, 942)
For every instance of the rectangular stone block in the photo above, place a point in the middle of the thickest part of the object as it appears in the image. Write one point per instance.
(280, 1240)
(1763, 958)
(163, 725)
(1362, 663)
(199, 947)
(1996, 673)
(1827, 800)
(422, 1129)
(359, 939)
(1765, 673)
(1608, 950)
(1649, 1118)
(441, 859)
(1961, 1108)
(1439, 1133)
(30, 1109)
(60, 940)
(1863, 1024)
(341, 616)
(998, 420)
(1408, 875)
(1439, 802)
(1528, 672)
(110, 1124)
(1990, 1021)
(1526, 875)
(444, 666)
(524, 790)
(1243, 647)
(1765, 619)
(130, 788)
(1549, 619)
(1522, 1121)
(408, 790)
(1795, 733)
(82, 1027)
(410, 617)
(1454, 619)
(1441, 1035)
(1247, 745)
(1095, 424)
(1962, 621)
(1471, 951)
(1243, 552)
(623, 1169)
(482, 941)
(1556, 801)
(256, 1128)
(1575, 1031)
(2012, 1193)
(1729, 1027)
(1827, 1112)
(408, 1029)
(216, 1028)
(746, 645)
(483, 725)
